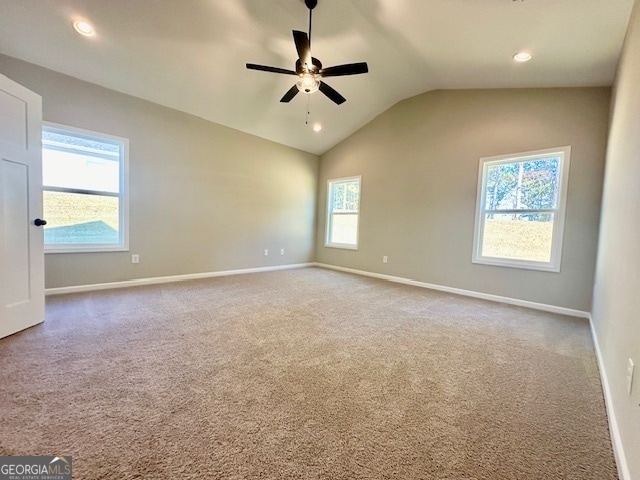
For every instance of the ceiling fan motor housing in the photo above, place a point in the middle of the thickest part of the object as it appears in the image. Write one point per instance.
(316, 66)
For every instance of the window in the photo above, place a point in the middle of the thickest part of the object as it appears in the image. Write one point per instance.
(343, 207)
(520, 209)
(84, 176)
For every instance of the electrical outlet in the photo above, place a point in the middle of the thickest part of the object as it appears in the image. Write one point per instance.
(282, 251)
(630, 368)
(135, 258)
(384, 259)
(266, 252)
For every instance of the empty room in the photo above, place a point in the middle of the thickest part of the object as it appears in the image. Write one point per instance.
(320, 239)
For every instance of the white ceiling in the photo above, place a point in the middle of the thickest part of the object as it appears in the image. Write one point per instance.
(190, 54)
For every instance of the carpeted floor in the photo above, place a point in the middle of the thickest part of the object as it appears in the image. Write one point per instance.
(305, 374)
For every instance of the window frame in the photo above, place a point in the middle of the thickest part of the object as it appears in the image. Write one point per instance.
(123, 195)
(329, 218)
(559, 212)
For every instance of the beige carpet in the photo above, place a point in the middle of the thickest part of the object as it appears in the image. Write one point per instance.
(309, 374)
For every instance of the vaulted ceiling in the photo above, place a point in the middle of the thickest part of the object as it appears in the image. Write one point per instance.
(191, 55)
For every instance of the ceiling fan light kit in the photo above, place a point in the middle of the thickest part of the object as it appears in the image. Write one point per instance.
(309, 69)
(308, 83)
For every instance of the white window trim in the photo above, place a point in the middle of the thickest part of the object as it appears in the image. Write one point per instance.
(559, 213)
(123, 220)
(328, 222)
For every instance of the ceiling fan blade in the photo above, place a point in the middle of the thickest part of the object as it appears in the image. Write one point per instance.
(332, 94)
(292, 92)
(303, 47)
(264, 68)
(347, 69)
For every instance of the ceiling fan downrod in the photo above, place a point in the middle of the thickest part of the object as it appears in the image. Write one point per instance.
(311, 4)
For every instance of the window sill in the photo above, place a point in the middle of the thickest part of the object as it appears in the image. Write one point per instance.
(521, 264)
(343, 246)
(86, 249)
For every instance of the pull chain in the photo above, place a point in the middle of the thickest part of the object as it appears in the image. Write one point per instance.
(306, 121)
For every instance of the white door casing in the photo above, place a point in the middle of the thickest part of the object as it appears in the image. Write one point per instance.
(21, 241)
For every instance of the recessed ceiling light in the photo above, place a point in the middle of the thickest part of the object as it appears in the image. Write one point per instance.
(522, 57)
(84, 28)
(317, 127)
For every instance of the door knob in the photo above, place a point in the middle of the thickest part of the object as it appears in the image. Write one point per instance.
(39, 222)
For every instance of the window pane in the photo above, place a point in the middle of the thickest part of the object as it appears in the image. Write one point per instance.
(344, 196)
(337, 196)
(57, 138)
(519, 236)
(74, 218)
(352, 193)
(344, 229)
(83, 172)
(527, 185)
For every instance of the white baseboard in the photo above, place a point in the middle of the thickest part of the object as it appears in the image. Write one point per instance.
(459, 291)
(168, 279)
(618, 449)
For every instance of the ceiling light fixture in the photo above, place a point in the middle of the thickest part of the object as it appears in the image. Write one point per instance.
(317, 127)
(308, 83)
(84, 28)
(522, 57)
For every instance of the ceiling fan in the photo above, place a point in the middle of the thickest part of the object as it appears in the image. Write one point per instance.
(310, 69)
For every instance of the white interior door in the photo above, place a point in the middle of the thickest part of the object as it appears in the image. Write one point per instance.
(21, 241)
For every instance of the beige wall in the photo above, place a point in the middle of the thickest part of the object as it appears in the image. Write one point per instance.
(616, 311)
(203, 197)
(419, 166)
